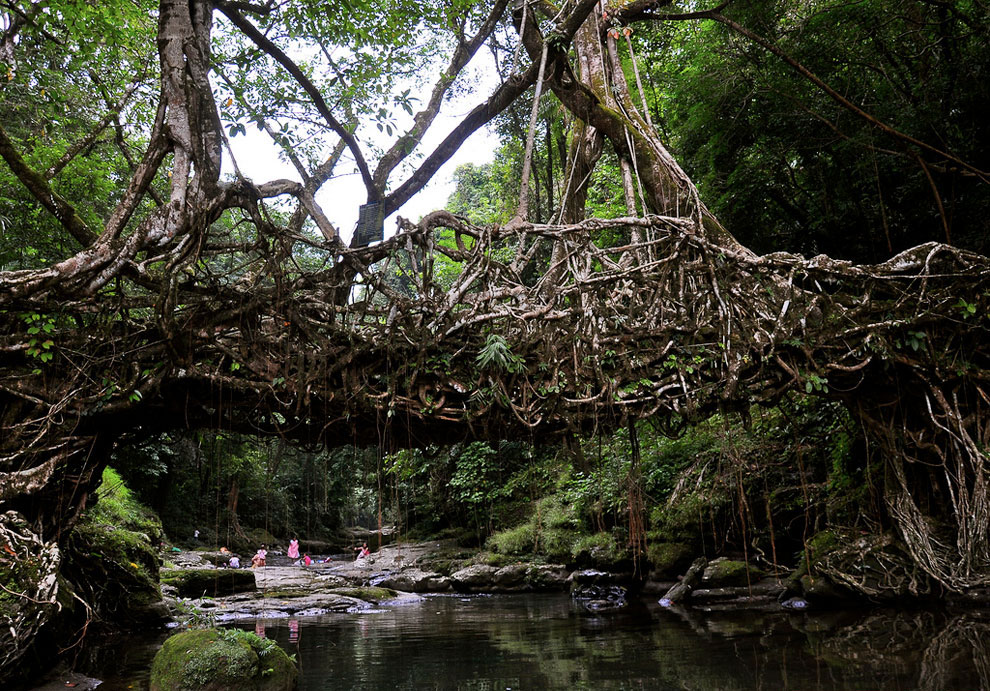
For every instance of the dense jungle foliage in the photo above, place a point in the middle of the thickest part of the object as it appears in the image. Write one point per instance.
(760, 487)
(779, 161)
(672, 384)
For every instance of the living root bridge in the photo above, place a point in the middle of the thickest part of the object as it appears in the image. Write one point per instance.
(449, 330)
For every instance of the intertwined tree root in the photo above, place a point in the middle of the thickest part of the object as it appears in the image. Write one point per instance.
(449, 330)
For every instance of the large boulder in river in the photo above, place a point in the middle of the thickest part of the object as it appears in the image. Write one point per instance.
(723, 573)
(210, 582)
(415, 581)
(478, 577)
(670, 559)
(220, 659)
(547, 577)
(511, 577)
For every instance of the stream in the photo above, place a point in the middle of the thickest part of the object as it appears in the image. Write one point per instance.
(496, 642)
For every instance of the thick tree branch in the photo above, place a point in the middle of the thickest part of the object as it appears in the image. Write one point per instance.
(259, 39)
(482, 114)
(37, 185)
(424, 118)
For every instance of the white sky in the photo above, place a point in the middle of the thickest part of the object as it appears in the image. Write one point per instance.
(257, 157)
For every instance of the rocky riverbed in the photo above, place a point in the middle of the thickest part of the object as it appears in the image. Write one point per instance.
(195, 587)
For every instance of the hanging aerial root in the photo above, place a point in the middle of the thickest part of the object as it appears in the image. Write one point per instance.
(28, 586)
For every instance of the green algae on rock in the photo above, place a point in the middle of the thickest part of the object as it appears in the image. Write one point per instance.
(211, 582)
(218, 659)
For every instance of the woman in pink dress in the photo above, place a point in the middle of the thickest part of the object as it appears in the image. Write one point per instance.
(293, 552)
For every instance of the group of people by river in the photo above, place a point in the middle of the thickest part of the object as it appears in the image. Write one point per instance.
(260, 558)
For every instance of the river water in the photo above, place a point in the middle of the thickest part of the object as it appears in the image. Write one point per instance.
(503, 642)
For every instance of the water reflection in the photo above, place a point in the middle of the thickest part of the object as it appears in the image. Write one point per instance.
(546, 642)
(943, 651)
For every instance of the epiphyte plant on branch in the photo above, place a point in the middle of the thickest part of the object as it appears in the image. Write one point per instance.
(184, 297)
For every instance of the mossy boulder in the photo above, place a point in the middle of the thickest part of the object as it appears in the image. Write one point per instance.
(114, 544)
(368, 593)
(125, 562)
(210, 582)
(220, 659)
(547, 577)
(726, 573)
(670, 559)
(600, 551)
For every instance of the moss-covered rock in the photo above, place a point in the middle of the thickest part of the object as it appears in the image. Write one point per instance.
(726, 573)
(210, 582)
(821, 543)
(111, 558)
(601, 551)
(546, 577)
(220, 659)
(368, 594)
(670, 559)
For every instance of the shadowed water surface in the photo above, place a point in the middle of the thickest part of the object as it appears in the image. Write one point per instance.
(548, 642)
(505, 642)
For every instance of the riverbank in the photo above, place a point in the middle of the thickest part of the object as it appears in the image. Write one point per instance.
(549, 641)
(403, 572)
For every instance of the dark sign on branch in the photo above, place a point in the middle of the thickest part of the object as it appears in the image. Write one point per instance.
(370, 226)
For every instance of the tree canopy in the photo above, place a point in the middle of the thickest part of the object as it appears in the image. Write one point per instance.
(145, 290)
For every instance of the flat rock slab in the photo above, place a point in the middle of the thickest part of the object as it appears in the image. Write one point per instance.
(213, 582)
(289, 604)
(269, 577)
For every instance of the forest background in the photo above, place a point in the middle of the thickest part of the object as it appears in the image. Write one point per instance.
(777, 160)
(782, 162)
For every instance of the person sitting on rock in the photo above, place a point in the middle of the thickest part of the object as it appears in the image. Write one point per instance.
(306, 560)
(259, 558)
(235, 562)
(362, 551)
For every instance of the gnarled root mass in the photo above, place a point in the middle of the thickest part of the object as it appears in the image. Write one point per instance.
(28, 585)
(449, 330)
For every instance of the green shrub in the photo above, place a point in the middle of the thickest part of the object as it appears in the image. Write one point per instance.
(518, 540)
(556, 544)
(111, 552)
(117, 506)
